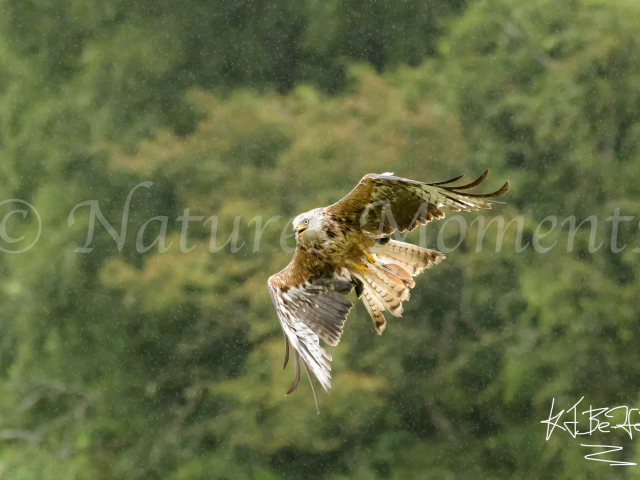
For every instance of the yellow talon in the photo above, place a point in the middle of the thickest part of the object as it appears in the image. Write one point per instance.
(362, 267)
(369, 257)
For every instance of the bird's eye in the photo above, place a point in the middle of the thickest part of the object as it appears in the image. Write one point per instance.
(306, 222)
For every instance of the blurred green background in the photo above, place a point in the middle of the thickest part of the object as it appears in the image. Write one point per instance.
(116, 364)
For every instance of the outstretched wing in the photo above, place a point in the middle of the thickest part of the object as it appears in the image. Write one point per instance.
(384, 203)
(310, 307)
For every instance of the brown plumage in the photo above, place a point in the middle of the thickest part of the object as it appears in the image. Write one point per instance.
(344, 246)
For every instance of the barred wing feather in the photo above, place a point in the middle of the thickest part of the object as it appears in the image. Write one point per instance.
(313, 310)
(384, 203)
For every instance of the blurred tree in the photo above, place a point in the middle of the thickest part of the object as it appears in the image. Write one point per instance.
(119, 364)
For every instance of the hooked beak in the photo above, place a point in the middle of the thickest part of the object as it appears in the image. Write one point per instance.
(298, 230)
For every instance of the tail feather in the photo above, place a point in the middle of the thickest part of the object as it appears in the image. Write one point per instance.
(399, 275)
(396, 289)
(412, 258)
(387, 282)
(373, 305)
(389, 298)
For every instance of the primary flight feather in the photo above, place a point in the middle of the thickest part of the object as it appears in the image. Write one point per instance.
(345, 246)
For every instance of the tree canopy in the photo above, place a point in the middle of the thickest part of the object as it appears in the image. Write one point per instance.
(126, 364)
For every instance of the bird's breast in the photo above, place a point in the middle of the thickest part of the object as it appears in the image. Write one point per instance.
(343, 245)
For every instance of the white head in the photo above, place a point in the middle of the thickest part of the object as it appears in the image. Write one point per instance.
(308, 226)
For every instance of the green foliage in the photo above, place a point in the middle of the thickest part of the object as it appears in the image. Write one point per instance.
(119, 364)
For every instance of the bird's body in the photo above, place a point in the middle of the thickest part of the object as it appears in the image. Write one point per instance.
(346, 246)
(342, 241)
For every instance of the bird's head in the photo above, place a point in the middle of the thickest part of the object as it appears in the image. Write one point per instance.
(307, 226)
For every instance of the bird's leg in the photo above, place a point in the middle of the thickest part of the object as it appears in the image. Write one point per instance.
(361, 266)
(369, 257)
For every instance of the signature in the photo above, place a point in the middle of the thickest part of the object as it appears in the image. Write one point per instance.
(600, 420)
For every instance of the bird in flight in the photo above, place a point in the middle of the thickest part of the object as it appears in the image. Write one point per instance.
(345, 247)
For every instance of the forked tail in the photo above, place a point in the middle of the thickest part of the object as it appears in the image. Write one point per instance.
(388, 279)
